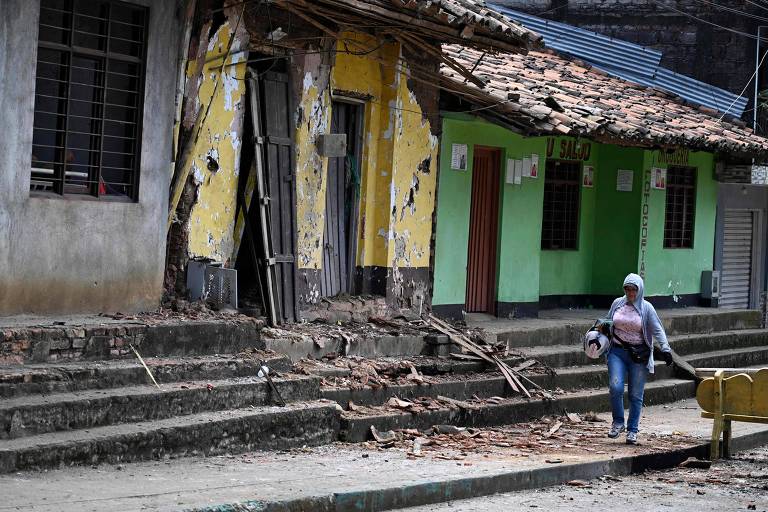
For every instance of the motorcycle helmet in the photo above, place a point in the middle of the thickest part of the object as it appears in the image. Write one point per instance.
(595, 344)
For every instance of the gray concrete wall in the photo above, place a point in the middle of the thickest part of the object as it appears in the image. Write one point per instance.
(63, 254)
(745, 197)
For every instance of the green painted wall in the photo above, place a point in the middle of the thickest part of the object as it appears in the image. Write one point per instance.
(678, 271)
(569, 272)
(616, 240)
(519, 216)
(609, 229)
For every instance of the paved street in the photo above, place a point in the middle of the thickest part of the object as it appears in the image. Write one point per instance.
(737, 484)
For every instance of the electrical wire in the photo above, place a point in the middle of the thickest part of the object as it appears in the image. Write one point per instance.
(757, 68)
(760, 6)
(737, 11)
(745, 34)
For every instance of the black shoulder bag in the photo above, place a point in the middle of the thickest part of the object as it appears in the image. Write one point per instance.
(639, 353)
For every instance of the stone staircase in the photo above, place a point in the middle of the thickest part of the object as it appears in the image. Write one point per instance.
(53, 415)
(89, 413)
(712, 338)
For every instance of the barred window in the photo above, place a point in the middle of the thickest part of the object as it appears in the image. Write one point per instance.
(562, 190)
(88, 98)
(680, 207)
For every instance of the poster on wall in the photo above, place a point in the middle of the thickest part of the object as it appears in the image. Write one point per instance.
(459, 157)
(534, 166)
(624, 179)
(518, 172)
(588, 178)
(659, 177)
(510, 175)
(526, 167)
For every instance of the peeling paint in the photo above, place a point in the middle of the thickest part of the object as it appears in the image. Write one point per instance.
(212, 217)
(313, 114)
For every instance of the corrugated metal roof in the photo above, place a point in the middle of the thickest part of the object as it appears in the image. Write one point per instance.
(693, 90)
(590, 46)
(628, 61)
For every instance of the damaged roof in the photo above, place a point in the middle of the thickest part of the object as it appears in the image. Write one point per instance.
(546, 93)
(455, 21)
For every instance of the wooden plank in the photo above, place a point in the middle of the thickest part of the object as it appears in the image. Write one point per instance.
(341, 198)
(465, 342)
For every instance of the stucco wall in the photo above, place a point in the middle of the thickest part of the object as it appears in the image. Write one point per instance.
(676, 272)
(79, 255)
(610, 225)
(397, 172)
(215, 161)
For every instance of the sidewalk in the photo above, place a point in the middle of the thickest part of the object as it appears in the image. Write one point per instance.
(366, 477)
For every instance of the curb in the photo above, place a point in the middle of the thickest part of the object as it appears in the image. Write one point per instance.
(463, 488)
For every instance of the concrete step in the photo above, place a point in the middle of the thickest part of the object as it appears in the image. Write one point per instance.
(737, 358)
(558, 356)
(37, 414)
(210, 433)
(355, 426)
(486, 381)
(698, 343)
(548, 331)
(61, 377)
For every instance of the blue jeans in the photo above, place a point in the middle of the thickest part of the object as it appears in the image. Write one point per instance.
(619, 366)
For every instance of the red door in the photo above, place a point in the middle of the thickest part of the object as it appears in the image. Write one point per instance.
(483, 231)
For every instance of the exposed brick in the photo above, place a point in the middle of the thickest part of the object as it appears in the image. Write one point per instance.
(61, 344)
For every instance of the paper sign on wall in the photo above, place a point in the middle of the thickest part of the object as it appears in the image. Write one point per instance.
(459, 157)
(624, 179)
(588, 178)
(526, 167)
(659, 177)
(510, 175)
(518, 172)
(534, 166)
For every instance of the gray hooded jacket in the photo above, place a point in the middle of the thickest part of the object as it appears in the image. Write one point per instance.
(652, 327)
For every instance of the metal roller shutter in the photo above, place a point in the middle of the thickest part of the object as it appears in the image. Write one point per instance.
(736, 274)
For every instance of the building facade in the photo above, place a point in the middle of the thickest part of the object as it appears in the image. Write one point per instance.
(86, 108)
(567, 236)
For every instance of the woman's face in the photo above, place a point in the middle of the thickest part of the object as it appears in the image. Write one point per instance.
(631, 292)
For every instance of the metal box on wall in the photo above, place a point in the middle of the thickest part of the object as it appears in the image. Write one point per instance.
(710, 284)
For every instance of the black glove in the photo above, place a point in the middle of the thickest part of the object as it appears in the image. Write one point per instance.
(667, 358)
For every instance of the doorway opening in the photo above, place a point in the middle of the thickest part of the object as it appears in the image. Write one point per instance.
(342, 200)
(483, 231)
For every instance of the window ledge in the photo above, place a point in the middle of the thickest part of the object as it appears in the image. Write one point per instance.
(75, 197)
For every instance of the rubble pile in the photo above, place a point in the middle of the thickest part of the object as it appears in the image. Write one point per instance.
(571, 434)
(181, 310)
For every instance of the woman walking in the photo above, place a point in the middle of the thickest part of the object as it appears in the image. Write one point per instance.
(635, 325)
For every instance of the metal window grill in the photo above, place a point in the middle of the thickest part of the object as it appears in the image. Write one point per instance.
(680, 207)
(562, 191)
(88, 98)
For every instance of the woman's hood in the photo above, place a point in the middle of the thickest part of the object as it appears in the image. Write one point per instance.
(637, 281)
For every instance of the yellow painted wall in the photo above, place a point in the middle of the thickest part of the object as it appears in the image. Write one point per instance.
(397, 199)
(314, 114)
(213, 214)
(414, 164)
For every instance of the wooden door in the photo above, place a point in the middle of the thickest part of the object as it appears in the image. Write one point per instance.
(483, 231)
(279, 162)
(341, 203)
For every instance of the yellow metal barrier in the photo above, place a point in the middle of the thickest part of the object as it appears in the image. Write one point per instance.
(730, 396)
